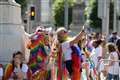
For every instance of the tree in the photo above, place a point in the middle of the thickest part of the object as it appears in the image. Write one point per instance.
(91, 14)
(58, 12)
(23, 4)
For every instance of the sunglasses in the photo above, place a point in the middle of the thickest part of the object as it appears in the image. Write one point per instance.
(65, 31)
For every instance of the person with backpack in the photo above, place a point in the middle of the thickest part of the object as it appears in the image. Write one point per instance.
(114, 37)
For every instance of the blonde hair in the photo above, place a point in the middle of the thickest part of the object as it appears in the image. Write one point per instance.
(59, 35)
(60, 29)
(111, 47)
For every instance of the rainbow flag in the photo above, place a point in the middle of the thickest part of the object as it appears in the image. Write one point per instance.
(87, 53)
(58, 69)
(76, 64)
(37, 52)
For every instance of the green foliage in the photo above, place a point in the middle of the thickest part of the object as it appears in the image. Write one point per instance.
(23, 4)
(95, 21)
(53, 1)
(58, 12)
(91, 14)
(88, 8)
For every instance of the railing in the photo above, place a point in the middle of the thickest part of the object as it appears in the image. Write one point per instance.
(106, 70)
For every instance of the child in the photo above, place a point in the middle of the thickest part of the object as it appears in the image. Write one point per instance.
(16, 69)
(113, 65)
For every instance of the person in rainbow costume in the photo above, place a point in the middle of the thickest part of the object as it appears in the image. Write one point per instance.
(91, 67)
(56, 63)
(70, 52)
(38, 55)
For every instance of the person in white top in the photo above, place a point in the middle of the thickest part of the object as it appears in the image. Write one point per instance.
(96, 52)
(118, 47)
(96, 55)
(19, 69)
(66, 45)
(113, 66)
(1, 72)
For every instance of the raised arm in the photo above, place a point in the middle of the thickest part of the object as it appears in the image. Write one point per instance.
(77, 38)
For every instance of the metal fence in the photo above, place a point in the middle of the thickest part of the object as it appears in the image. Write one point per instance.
(109, 72)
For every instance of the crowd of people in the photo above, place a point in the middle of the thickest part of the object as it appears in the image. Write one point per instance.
(56, 56)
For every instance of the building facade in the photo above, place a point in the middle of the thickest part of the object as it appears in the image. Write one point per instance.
(42, 14)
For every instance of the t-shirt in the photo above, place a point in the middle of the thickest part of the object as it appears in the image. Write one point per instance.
(66, 49)
(114, 69)
(96, 52)
(1, 72)
(24, 69)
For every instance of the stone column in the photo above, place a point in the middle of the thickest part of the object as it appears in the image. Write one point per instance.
(78, 17)
(38, 12)
(31, 23)
(118, 16)
(66, 10)
(105, 20)
(103, 13)
(115, 16)
(45, 12)
(11, 30)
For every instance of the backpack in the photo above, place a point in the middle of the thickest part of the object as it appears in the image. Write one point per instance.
(76, 64)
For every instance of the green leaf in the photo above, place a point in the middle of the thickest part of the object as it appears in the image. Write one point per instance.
(58, 11)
